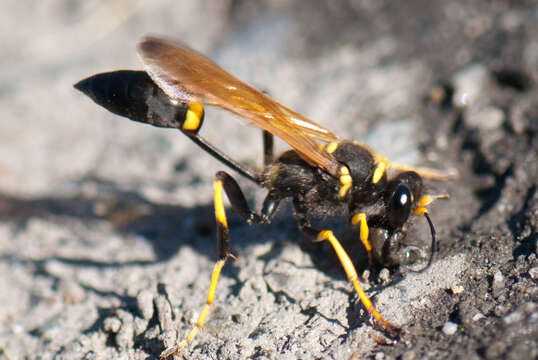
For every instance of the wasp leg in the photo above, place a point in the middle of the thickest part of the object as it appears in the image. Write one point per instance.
(346, 262)
(191, 125)
(351, 273)
(225, 159)
(363, 234)
(268, 155)
(268, 148)
(239, 205)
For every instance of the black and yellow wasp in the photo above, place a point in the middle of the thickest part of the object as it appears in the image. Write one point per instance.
(322, 173)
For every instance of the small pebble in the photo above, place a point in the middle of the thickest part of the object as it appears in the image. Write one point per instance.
(532, 291)
(125, 335)
(489, 118)
(471, 85)
(523, 116)
(437, 94)
(384, 275)
(72, 292)
(457, 289)
(164, 312)
(379, 356)
(112, 324)
(516, 316)
(478, 316)
(140, 325)
(144, 301)
(500, 310)
(498, 280)
(366, 275)
(409, 355)
(450, 328)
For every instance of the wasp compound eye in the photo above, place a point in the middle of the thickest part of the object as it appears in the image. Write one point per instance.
(399, 206)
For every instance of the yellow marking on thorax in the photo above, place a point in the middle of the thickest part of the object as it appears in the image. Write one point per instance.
(331, 147)
(193, 118)
(345, 180)
(382, 164)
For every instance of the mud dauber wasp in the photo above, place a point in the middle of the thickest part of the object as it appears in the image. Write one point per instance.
(322, 173)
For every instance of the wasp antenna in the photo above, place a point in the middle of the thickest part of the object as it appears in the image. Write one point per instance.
(433, 248)
(428, 173)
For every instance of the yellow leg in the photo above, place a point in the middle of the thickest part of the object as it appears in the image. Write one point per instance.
(203, 315)
(224, 253)
(361, 217)
(353, 278)
(363, 234)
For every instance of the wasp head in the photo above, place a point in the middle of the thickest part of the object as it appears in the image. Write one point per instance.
(389, 228)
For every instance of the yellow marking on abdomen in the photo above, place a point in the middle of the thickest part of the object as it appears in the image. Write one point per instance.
(193, 118)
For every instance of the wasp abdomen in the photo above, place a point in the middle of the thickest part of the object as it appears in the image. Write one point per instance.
(134, 95)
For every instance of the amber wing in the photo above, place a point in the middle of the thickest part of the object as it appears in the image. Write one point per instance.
(187, 75)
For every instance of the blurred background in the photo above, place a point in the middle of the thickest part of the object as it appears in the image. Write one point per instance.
(106, 228)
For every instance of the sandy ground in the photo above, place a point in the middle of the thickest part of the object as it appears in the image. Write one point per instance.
(107, 237)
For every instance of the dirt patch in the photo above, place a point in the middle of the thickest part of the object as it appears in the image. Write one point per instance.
(107, 233)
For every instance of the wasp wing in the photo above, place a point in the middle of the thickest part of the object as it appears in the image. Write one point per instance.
(186, 75)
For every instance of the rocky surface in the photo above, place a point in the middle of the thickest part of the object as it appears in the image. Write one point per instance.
(107, 234)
